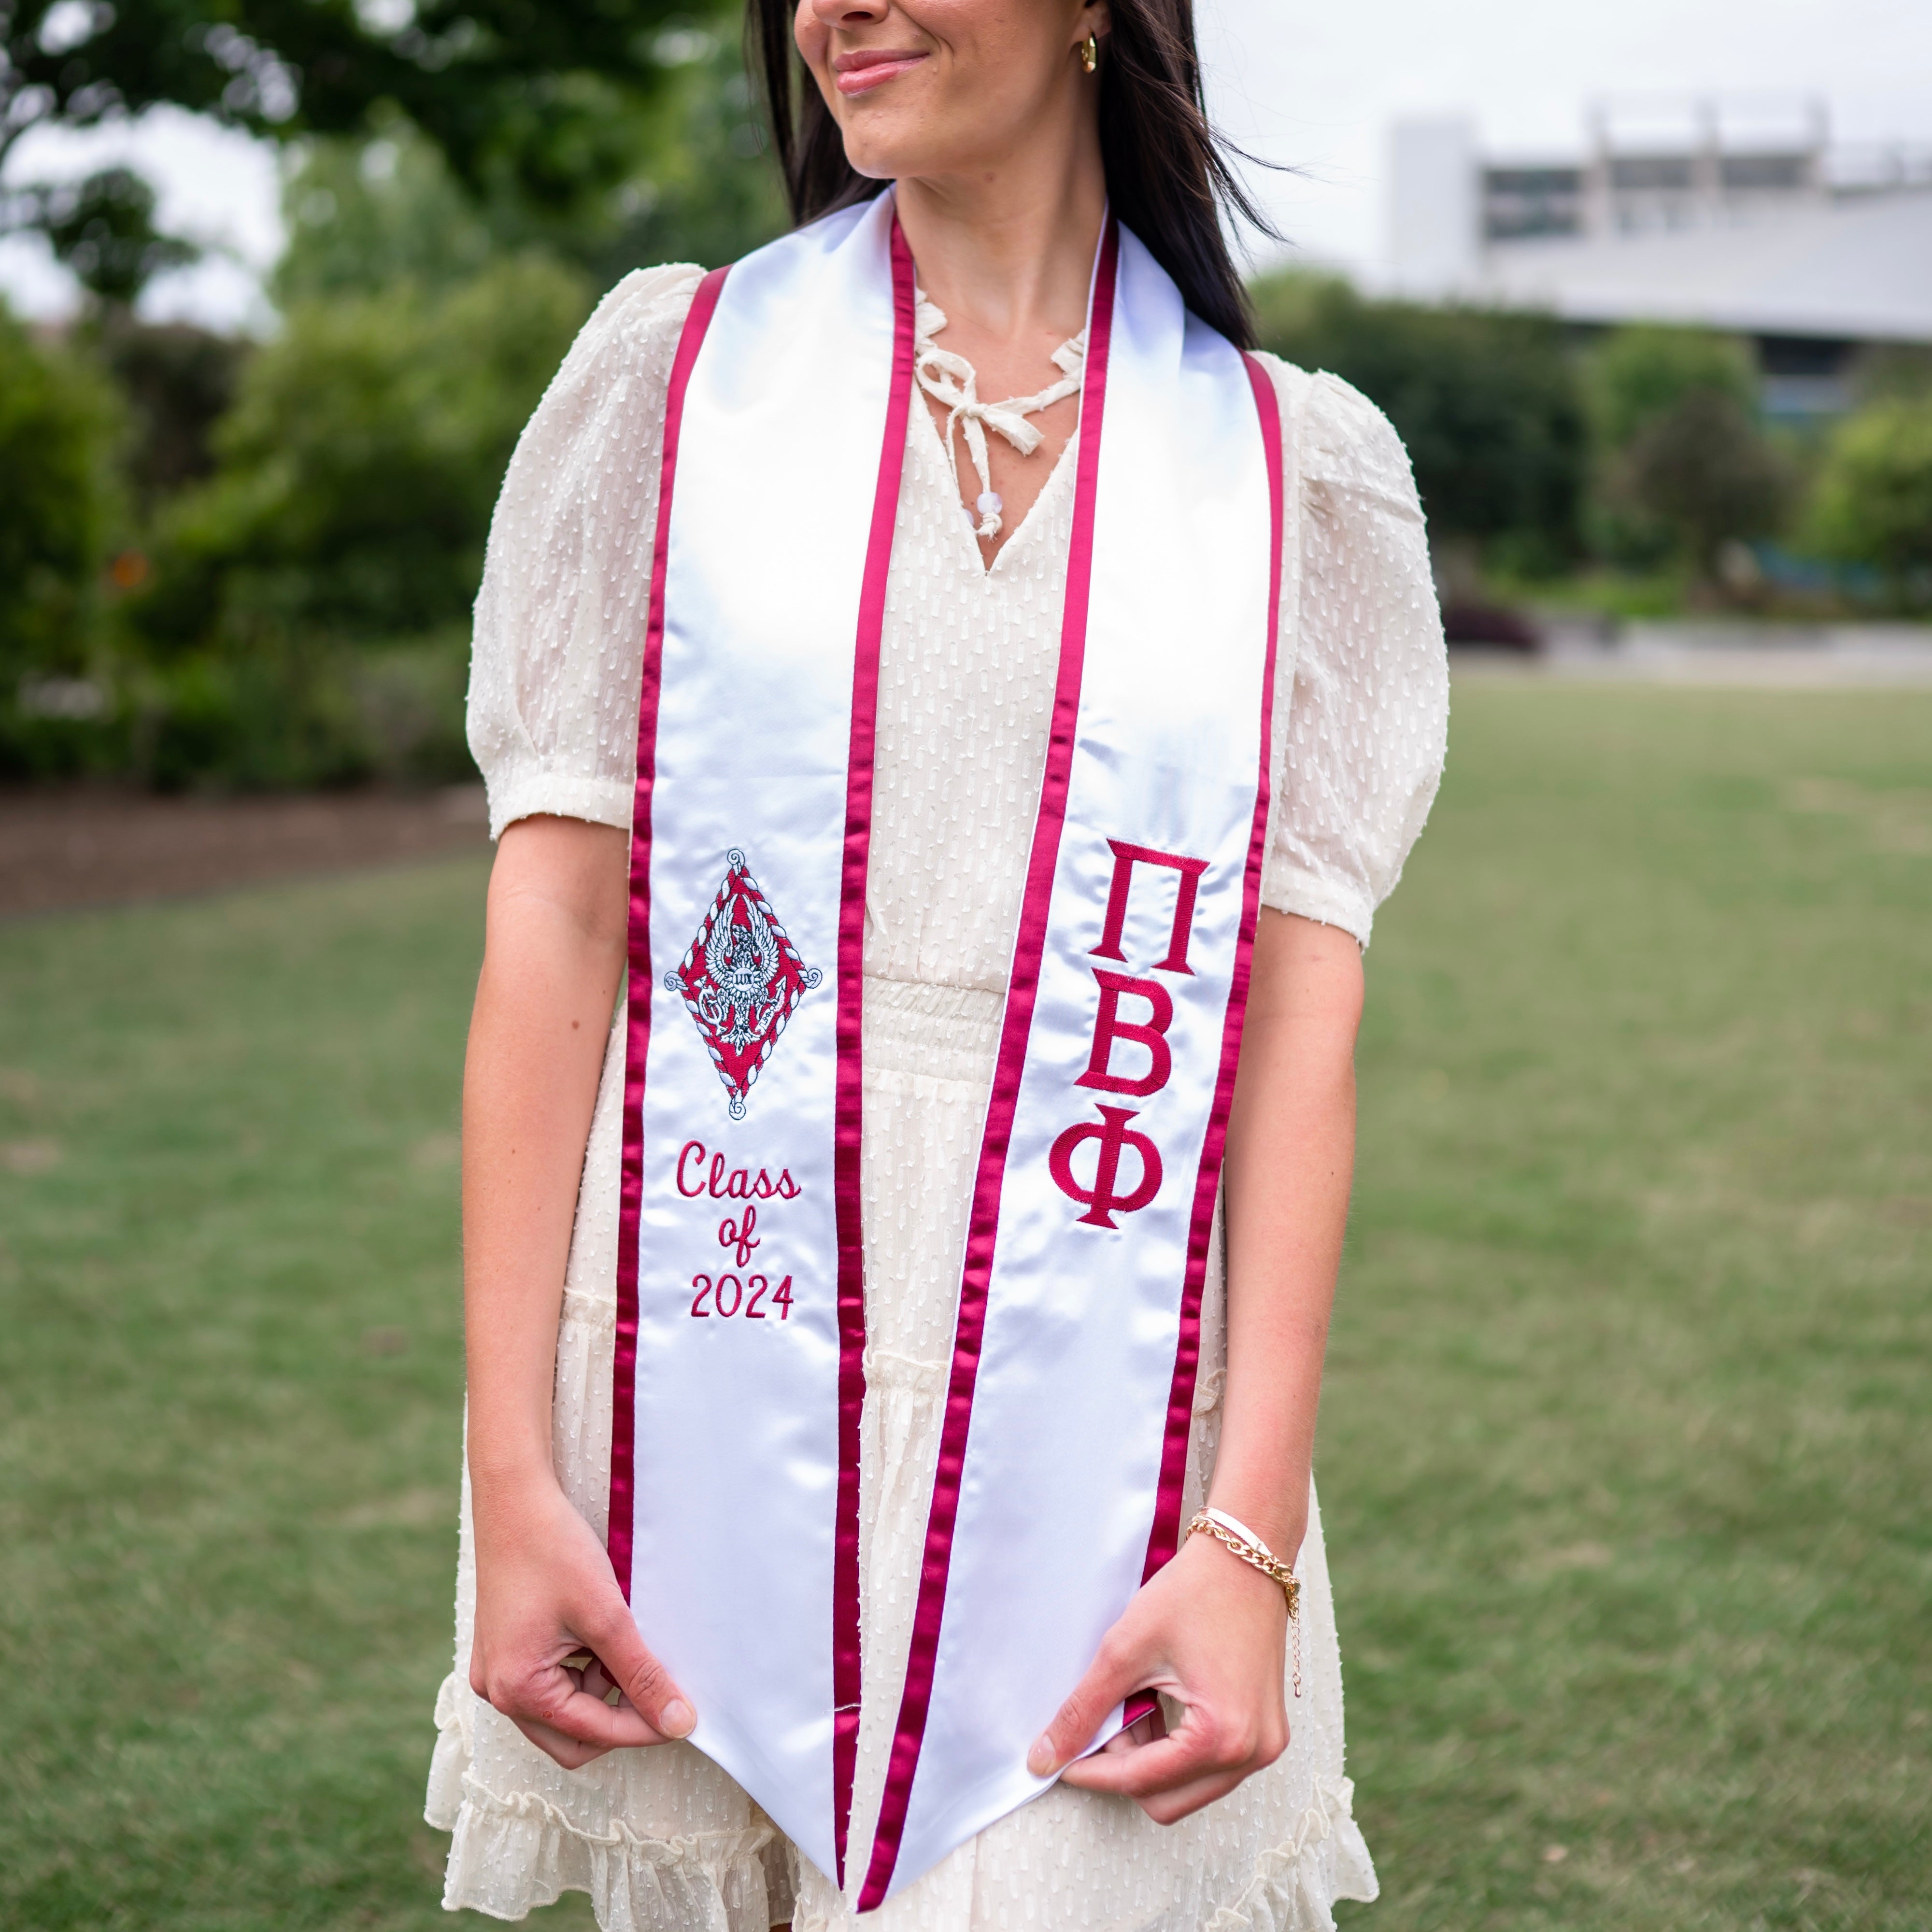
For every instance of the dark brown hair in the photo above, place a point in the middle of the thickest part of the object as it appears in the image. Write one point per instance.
(1169, 176)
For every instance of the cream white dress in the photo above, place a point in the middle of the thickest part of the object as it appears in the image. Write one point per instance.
(662, 1840)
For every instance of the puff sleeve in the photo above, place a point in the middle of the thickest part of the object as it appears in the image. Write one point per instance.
(1364, 678)
(558, 641)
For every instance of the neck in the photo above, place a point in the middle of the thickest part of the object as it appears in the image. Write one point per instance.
(1008, 249)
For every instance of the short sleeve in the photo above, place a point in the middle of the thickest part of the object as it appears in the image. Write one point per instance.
(1366, 688)
(557, 648)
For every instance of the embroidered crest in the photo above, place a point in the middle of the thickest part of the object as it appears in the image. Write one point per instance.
(741, 979)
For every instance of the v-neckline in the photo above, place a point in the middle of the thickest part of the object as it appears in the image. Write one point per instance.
(1067, 456)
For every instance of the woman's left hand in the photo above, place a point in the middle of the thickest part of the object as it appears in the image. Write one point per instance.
(1209, 1631)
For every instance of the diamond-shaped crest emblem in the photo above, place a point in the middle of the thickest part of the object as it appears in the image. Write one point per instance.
(741, 980)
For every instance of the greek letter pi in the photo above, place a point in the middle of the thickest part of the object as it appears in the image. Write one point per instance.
(1102, 1201)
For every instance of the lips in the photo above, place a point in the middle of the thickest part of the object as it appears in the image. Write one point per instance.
(865, 68)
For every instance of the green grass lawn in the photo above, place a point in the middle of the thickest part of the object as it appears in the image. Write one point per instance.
(1628, 1438)
(1627, 1449)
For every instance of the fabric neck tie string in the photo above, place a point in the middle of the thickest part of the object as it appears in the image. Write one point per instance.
(951, 382)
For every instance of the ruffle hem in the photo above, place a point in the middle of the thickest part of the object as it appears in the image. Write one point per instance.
(512, 1852)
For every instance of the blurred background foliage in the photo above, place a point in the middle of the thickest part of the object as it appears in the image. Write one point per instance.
(231, 563)
(1488, 404)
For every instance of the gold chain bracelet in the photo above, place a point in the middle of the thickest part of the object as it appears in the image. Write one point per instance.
(1253, 1552)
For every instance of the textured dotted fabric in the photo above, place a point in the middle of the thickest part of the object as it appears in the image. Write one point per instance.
(661, 1840)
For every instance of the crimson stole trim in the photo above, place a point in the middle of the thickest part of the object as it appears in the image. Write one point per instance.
(847, 1678)
(1164, 1537)
(1030, 945)
(638, 1004)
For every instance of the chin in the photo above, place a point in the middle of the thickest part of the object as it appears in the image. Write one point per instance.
(888, 160)
(882, 147)
(876, 161)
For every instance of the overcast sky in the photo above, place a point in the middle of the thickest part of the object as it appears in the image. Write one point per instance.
(1312, 85)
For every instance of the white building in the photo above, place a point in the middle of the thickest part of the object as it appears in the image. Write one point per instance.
(1693, 216)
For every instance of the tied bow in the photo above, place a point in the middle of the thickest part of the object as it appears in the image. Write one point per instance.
(951, 382)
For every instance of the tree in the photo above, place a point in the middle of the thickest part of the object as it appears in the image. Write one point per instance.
(364, 214)
(1634, 376)
(1874, 498)
(547, 103)
(178, 381)
(1704, 473)
(1486, 402)
(102, 228)
(707, 193)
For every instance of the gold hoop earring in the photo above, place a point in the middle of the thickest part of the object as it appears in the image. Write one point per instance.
(1089, 53)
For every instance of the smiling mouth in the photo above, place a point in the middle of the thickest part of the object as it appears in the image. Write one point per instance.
(860, 72)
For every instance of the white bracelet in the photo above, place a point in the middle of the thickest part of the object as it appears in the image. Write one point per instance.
(1240, 1528)
(1232, 1531)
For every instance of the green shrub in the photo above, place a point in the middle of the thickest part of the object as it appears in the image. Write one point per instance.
(359, 466)
(255, 721)
(1873, 503)
(347, 515)
(59, 425)
(1887, 369)
(1487, 403)
(309, 713)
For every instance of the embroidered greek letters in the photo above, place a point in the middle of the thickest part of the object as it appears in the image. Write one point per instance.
(1126, 858)
(1106, 1198)
(1101, 1201)
(1151, 1034)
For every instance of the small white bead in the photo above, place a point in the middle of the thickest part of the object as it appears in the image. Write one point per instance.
(988, 504)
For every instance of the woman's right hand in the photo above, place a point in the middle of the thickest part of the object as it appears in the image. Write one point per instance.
(544, 1591)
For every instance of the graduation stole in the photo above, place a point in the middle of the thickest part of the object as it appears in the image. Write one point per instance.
(741, 1325)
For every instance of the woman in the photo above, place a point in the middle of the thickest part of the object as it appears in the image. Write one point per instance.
(868, 944)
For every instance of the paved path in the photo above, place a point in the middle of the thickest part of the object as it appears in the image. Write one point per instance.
(69, 847)
(1790, 657)
(82, 846)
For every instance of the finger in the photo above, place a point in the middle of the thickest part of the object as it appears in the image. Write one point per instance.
(1117, 1668)
(589, 1721)
(1177, 1770)
(569, 1752)
(554, 1697)
(1169, 1807)
(1141, 1770)
(628, 1663)
(1147, 1730)
(1166, 1791)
